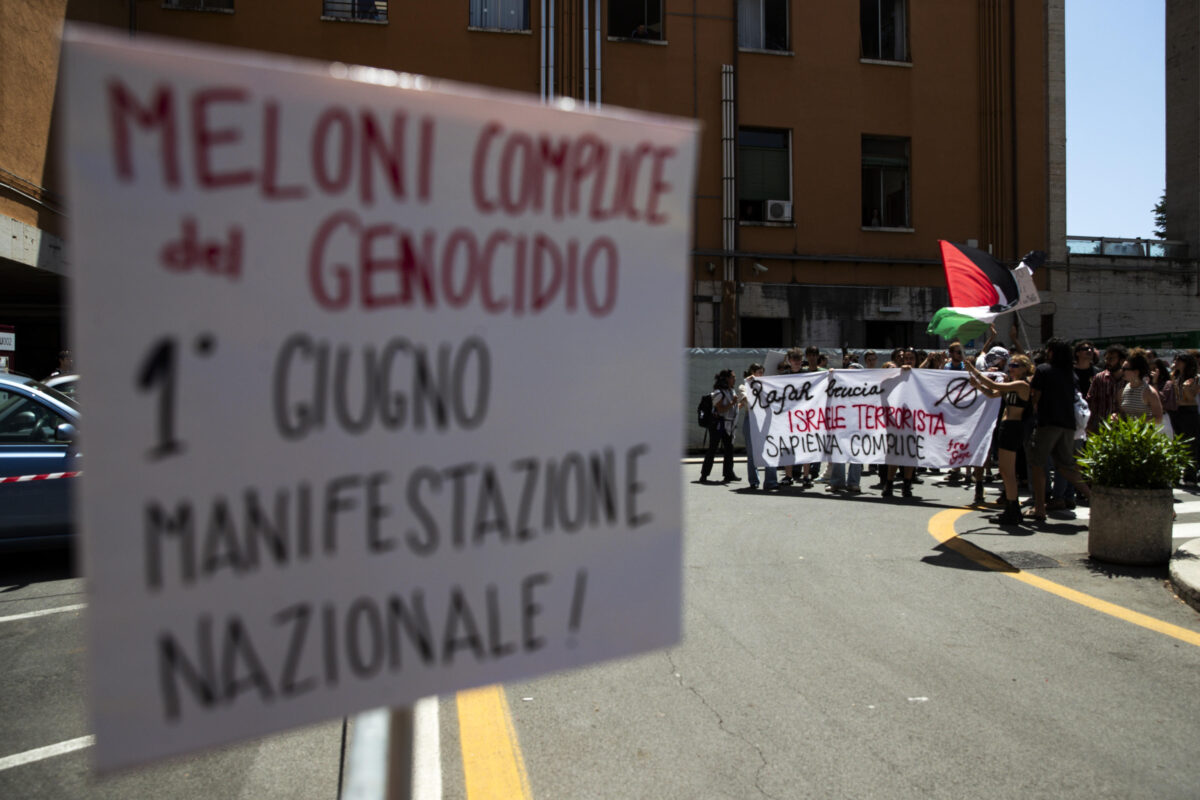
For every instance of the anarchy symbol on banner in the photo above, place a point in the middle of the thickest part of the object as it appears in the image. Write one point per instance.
(960, 393)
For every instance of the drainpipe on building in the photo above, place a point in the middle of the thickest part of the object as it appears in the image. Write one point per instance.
(587, 59)
(729, 201)
(542, 62)
(598, 3)
(1012, 104)
(550, 61)
(729, 290)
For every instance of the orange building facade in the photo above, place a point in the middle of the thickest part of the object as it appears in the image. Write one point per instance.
(840, 140)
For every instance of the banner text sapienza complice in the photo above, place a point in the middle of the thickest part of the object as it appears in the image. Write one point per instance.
(216, 138)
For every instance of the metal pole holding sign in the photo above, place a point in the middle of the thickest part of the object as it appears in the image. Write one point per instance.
(379, 761)
(400, 754)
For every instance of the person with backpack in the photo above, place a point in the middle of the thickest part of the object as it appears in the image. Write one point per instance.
(724, 411)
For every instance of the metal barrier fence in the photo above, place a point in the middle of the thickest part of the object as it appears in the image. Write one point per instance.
(1136, 248)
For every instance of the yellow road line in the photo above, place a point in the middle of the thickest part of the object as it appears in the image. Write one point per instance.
(491, 756)
(941, 527)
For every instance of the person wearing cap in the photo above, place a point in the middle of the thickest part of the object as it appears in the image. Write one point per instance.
(994, 360)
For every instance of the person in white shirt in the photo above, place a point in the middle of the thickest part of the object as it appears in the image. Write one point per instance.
(745, 400)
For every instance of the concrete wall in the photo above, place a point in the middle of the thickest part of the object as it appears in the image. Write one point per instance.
(1094, 297)
(830, 316)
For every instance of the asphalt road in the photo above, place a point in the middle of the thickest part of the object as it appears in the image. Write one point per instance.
(833, 648)
(43, 703)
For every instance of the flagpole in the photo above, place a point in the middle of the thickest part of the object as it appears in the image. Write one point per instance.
(1021, 323)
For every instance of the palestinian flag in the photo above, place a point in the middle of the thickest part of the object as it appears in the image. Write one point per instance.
(974, 278)
(981, 288)
(963, 324)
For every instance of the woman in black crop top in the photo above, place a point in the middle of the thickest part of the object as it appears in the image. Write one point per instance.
(1013, 428)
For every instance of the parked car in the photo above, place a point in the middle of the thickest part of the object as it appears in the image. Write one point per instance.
(67, 384)
(38, 430)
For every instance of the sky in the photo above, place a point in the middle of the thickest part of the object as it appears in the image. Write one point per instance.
(1116, 131)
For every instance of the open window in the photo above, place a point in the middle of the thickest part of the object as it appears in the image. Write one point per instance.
(635, 19)
(764, 175)
(763, 24)
(502, 15)
(885, 183)
(884, 26)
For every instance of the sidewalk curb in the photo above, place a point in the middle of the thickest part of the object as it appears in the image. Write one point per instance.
(1185, 572)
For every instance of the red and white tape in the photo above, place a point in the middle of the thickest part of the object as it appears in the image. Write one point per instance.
(49, 476)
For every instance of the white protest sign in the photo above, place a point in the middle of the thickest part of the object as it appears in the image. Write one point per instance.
(920, 417)
(361, 419)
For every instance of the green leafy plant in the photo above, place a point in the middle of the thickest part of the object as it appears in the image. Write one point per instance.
(1134, 453)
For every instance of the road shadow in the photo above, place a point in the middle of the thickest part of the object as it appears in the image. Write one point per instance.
(953, 557)
(1027, 527)
(1102, 569)
(1061, 526)
(22, 569)
(866, 496)
(991, 528)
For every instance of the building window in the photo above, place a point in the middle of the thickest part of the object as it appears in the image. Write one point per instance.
(200, 5)
(375, 10)
(763, 24)
(764, 175)
(635, 19)
(885, 183)
(504, 15)
(884, 29)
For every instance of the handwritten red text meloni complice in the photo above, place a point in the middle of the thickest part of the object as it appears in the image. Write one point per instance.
(225, 138)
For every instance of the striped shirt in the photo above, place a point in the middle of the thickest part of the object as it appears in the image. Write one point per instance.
(1133, 401)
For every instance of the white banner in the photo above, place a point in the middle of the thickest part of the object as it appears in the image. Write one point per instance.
(918, 417)
(351, 340)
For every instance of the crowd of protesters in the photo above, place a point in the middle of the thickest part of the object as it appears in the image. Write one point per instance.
(1039, 431)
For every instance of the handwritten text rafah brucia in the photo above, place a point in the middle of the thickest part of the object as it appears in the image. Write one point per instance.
(372, 160)
(812, 430)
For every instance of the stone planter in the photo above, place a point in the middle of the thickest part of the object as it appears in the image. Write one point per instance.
(1130, 526)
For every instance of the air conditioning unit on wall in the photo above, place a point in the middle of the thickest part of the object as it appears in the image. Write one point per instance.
(779, 211)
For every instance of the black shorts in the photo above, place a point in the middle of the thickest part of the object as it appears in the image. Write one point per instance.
(1010, 435)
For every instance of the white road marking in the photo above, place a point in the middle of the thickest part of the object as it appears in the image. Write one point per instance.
(367, 762)
(427, 751)
(49, 751)
(43, 612)
(1186, 530)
